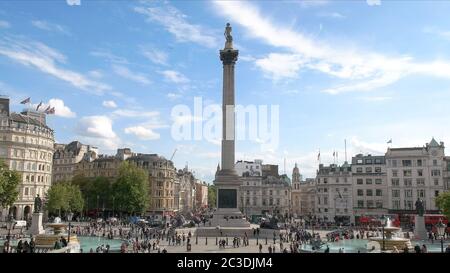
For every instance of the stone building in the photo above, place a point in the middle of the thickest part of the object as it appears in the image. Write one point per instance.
(161, 175)
(67, 156)
(447, 173)
(249, 168)
(186, 191)
(303, 195)
(201, 195)
(334, 202)
(103, 165)
(416, 172)
(370, 188)
(26, 145)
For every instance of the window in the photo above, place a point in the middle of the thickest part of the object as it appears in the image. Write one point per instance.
(368, 181)
(394, 163)
(325, 180)
(379, 204)
(359, 181)
(337, 180)
(26, 191)
(378, 169)
(247, 201)
(378, 181)
(395, 193)
(436, 182)
(359, 170)
(394, 173)
(434, 162)
(325, 190)
(420, 182)
(408, 204)
(325, 200)
(368, 169)
(360, 192)
(270, 202)
(407, 182)
(359, 161)
(406, 163)
(406, 172)
(368, 161)
(379, 192)
(370, 203)
(435, 172)
(345, 180)
(395, 182)
(436, 193)
(408, 193)
(421, 193)
(419, 162)
(396, 204)
(378, 161)
(270, 193)
(360, 203)
(419, 172)
(369, 193)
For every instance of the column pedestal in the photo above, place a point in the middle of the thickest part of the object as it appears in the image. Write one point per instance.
(36, 223)
(420, 232)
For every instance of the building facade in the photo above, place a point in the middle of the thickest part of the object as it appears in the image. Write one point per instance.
(103, 165)
(370, 188)
(26, 146)
(249, 168)
(161, 175)
(201, 195)
(414, 173)
(67, 156)
(334, 200)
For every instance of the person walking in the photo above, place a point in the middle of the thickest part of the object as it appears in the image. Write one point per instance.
(260, 248)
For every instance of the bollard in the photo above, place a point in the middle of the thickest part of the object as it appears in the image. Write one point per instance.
(257, 240)
(266, 240)
(196, 239)
(206, 243)
(216, 240)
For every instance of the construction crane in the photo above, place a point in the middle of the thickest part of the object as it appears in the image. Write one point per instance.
(173, 154)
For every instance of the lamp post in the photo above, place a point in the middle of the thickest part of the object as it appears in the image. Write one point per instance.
(69, 218)
(383, 223)
(97, 205)
(441, 231)
(113, 198)
(10, 225)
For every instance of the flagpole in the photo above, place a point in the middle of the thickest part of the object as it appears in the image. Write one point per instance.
(345, 143)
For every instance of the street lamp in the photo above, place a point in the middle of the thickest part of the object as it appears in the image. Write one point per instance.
(97, 205)
(69, 218)
(441, 231)
(383, 223)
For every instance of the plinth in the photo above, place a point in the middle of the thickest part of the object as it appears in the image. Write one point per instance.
(36, 223)
(420, 232)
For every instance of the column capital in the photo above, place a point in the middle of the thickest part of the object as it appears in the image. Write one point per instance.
(229, 56)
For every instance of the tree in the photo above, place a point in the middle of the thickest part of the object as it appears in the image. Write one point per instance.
(443, 202)
(130, 190)
(9, 185)
(91, 188)
(64, 197)
(212, 196)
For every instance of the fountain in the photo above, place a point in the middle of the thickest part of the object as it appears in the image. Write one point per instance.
(390, 240)
(47, 241)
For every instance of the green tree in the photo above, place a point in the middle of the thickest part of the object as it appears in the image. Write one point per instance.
(9, 185)
(130, 190)
(91, 188)
(443, 202)
(64, 197)
(212, 196)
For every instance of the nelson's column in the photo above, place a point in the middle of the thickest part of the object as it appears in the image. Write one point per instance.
(227, 181)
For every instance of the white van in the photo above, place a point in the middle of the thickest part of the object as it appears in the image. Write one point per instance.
(20, 224)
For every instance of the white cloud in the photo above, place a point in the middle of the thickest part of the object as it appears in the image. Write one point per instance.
(373, 2)
(4, 24)
(73, 2)
(135, 114)
(44, 25)
(361, 70)
(334, 15)
(95, 74)
(109, 56)
(313, 3)
(130, 75)
(376, 99)
(174, 76)
(175, 22)
(142, 133)
(109, 104)
(96, 127)
(173, 96)
(47, 60)
(155, 55)
(61, 110)
(445, 34)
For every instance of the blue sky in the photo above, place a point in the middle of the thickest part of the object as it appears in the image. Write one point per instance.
(365, 71)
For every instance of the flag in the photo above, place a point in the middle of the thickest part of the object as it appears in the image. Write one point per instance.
(46, 110)
(25, 101)
(390, 141)
(334, 153)
(51, 111)
(318, 156)
(39, 105)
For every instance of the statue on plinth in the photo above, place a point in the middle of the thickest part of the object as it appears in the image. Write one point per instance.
(420, 209)
(228, 37)
(37, 204)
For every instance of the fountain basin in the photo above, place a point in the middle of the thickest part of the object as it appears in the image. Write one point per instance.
(399, 243)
